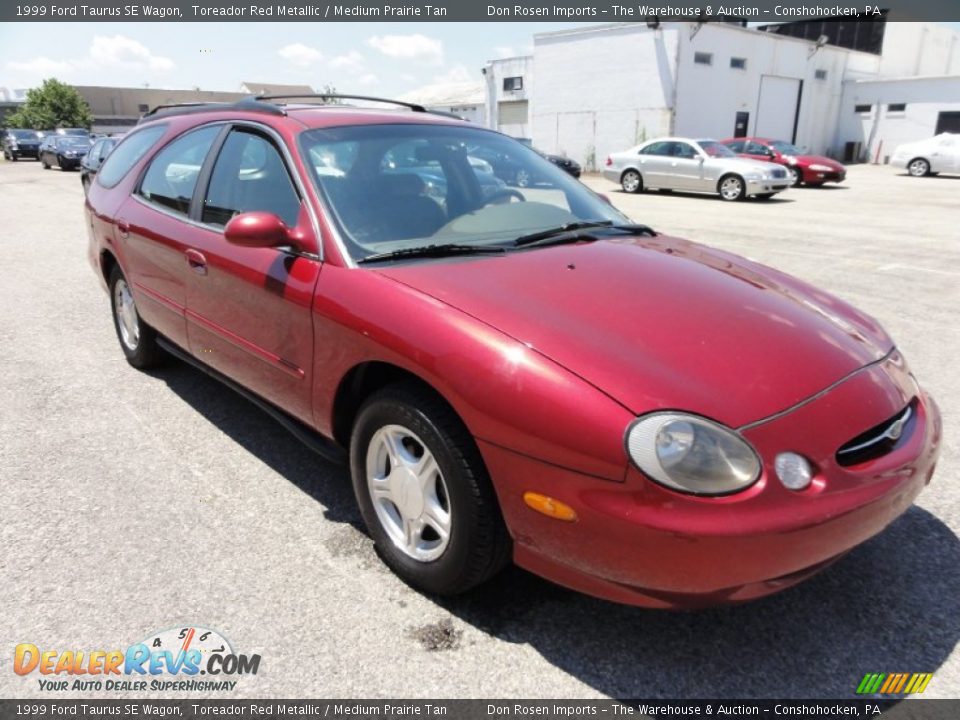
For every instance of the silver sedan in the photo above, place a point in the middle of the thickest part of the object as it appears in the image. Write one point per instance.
(694, 166)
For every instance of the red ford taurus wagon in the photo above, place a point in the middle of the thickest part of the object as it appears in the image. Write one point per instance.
(511, 373)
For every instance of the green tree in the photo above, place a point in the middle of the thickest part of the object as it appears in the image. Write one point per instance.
(53, 104)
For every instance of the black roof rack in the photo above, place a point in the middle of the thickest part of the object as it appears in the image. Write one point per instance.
(246, 104)
(413, 106)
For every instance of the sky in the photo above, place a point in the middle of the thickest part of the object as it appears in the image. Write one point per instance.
(387, 59)
(369, 58)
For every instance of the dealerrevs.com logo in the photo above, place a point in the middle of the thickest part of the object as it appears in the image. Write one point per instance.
(177, 659)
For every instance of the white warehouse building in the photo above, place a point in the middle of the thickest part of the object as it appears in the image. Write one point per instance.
(591, 91)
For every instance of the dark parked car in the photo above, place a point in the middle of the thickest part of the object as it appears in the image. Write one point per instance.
(64, 151)
(527, 375)
(802, 167)
(94, 159)
(19, 143)
(571, 167)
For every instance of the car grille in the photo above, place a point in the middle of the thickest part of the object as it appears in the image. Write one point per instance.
(880, 440)
(778, 173)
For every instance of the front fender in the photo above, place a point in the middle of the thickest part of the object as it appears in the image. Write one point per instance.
(506, 393)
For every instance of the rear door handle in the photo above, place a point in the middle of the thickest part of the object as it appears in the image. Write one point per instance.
(196, 260)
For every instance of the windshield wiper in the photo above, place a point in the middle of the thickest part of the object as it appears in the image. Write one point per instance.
(442, 250)
(572, 232)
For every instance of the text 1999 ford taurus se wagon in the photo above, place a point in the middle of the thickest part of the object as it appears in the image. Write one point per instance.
(512, 373)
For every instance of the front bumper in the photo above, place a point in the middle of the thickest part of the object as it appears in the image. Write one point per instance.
(767, 185)
(642, 544)
(26, 152)
(818, 176)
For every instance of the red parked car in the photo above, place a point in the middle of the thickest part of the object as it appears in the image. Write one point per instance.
(521, 375)
(812, 170)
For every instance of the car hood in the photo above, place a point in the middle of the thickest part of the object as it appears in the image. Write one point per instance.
(663, 323)
(820, 160)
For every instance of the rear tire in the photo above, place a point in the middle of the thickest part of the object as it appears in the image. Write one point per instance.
(631, 181)
(137, 339)
(424, 492)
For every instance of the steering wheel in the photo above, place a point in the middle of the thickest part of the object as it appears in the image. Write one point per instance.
(504, 195)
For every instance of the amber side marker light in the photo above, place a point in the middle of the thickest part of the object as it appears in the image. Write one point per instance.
(550, 507)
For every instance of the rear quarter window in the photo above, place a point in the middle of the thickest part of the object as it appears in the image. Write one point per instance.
(127, 153)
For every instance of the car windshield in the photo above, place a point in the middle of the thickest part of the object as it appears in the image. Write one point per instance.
(785, 148)
(73, 141)
(715, 149)
(25, 134)
(398, 187)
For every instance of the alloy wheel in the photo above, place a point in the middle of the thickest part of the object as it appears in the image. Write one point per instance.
(918, 168)
(408, 492)
(126, 315)
(731, 188)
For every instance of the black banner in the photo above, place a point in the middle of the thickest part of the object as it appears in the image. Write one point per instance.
(44, 709)
(472, 10)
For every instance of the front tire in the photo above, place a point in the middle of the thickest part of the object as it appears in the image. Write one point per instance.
(918, 167)
(631, 181)
(46, 165)
(137, 339)
(732, 188)
(424, 492)
(795, 175)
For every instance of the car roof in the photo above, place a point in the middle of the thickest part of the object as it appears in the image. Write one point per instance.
(306, 115)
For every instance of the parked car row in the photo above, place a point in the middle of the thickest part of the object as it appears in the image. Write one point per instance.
(67, 148)
(734, 169)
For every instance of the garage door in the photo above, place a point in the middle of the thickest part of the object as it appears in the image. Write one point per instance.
(777, 109)
(513, 112)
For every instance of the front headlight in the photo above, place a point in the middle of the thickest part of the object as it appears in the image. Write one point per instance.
(692, 454)
(821, 168)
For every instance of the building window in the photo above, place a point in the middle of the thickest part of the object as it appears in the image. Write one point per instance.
(513, 83)
(820, 74)
(863, 109)
(896, 107)
(143, 108)
(703, 58)
(737, 63)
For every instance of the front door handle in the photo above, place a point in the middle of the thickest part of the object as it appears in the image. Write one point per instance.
(197, 261)
(123, 227)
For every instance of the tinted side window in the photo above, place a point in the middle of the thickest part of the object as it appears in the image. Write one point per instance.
(250, 175)
(173, 173)
(658, 148)
(756, 149)
(736, 146)
(682, 150)
(128, 153)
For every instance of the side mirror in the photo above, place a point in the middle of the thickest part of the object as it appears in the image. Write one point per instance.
(257, 230)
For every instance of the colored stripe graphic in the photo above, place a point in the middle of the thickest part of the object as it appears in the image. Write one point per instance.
(894, 683)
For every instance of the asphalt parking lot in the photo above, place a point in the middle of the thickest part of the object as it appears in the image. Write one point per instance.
(136, 502)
